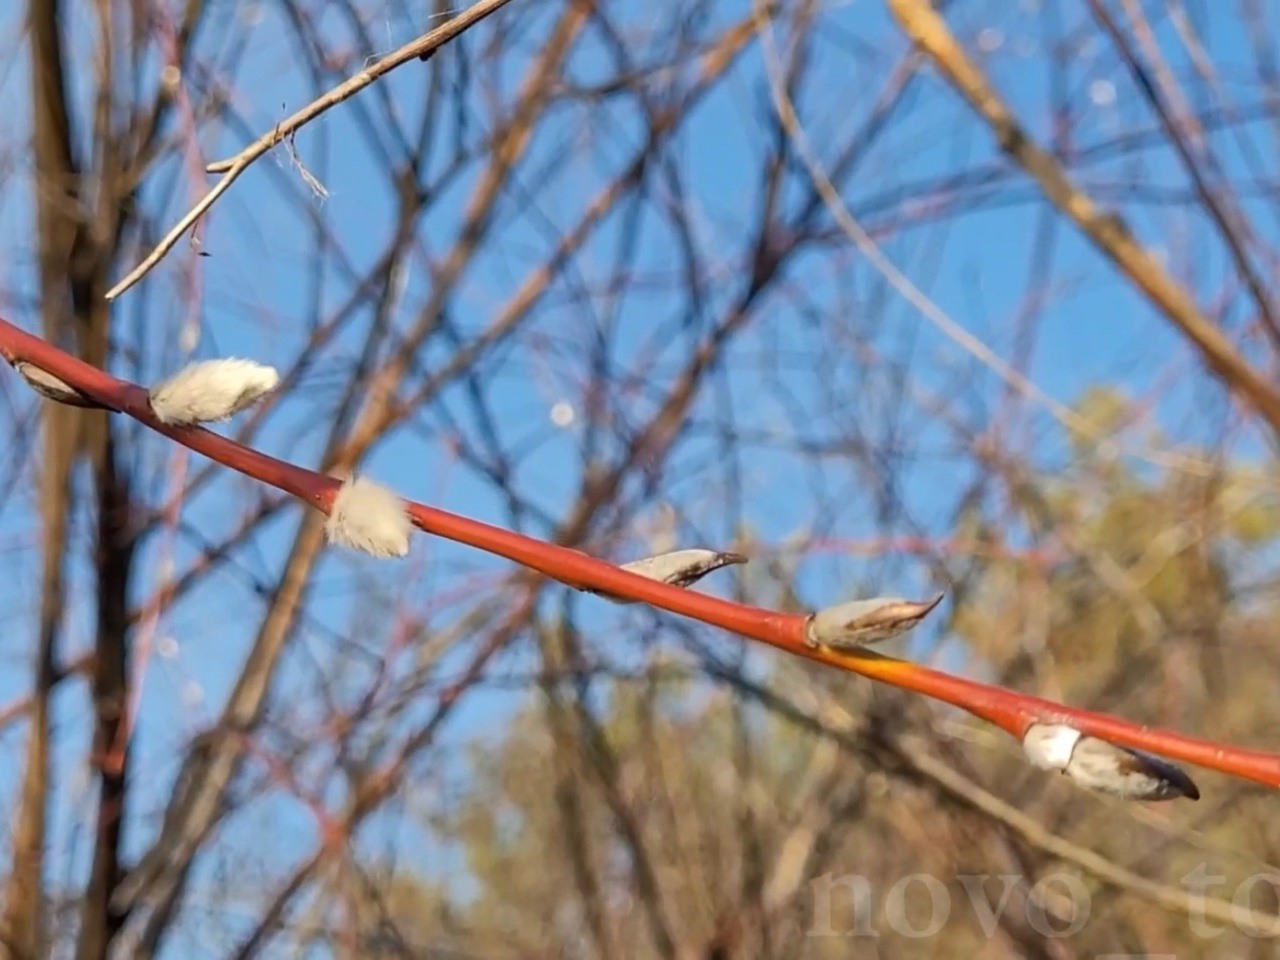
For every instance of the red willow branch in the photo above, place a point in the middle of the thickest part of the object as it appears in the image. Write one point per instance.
(1013, 712)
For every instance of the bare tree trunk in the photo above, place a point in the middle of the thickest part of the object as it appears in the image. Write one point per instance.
(56, 203)
(99, 921)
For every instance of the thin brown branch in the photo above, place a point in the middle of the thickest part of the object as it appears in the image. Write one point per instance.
(926, 27)
(1227, 221)
(825, 190)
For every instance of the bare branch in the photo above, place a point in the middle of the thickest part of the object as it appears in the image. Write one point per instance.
(233, 167)
(1108, 232)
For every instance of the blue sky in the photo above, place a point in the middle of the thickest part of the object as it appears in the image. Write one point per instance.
(257, 300)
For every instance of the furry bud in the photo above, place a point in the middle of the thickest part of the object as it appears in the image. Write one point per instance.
(211, 391)
(367, 516)
(1105, 767)
(857, 623)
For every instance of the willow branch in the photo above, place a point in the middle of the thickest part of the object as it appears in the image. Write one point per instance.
(1011, 711)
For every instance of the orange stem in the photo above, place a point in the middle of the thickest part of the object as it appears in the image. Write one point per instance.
(1011, 711)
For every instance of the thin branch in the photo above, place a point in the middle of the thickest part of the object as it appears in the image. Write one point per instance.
(1228, 222)
(1013, 712)
(232, 167)
(827, 192)
(1108, 231)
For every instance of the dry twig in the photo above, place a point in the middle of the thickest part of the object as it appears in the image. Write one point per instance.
(232, 167)
(1108, 231)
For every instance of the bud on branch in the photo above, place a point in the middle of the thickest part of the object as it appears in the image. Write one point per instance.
(52, 388)
(680, 568)
(211, 391)
(1098, 765)
(857, 623)
(377, 524)
(367, 516)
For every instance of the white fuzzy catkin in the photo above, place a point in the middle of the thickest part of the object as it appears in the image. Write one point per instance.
(1105, 767)
(1049, 746)
(367, 516)
(211, 391)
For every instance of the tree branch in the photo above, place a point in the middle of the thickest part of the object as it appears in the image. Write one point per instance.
(233, 167)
